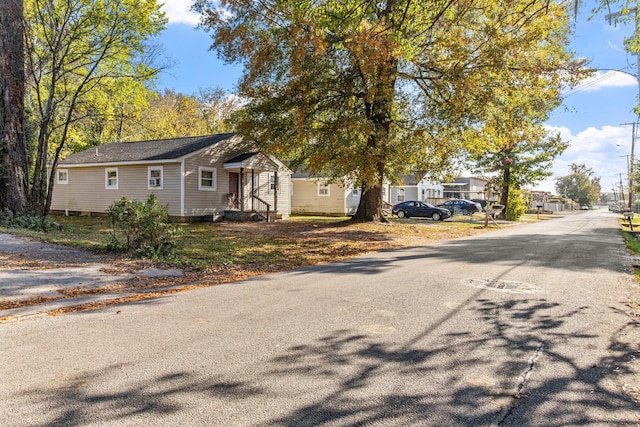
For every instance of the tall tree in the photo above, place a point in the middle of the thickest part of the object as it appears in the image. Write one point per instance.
(512, 146)
(75, 48)
(13, 146)
(581, 185)
(364, 89)
(217, 108)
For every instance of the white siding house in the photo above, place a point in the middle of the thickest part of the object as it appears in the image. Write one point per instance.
(316, 195)
(194, 177)
(412, 188)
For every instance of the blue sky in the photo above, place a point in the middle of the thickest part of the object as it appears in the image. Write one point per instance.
(591, 117)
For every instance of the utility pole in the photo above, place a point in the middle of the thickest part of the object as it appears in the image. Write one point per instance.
(613, 16)
(630, 159)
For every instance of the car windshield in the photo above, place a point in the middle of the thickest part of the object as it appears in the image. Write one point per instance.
(427, 205)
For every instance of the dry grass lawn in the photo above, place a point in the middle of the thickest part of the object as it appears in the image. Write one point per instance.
(212, 254)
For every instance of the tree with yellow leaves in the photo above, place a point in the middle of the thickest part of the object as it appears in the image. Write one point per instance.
(367, 89)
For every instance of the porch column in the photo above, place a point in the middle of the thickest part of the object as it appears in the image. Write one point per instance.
(275, 195)
(253, 190)
(241, 189)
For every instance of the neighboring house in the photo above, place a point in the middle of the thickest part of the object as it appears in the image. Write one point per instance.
(465, 188)
(313, 195)
(195, 177)
(410, 188)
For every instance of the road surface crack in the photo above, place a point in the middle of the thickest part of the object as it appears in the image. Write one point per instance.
(517, 390)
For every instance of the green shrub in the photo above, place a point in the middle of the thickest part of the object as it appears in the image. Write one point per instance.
(28, 221)
(143, 228)
(516, 205)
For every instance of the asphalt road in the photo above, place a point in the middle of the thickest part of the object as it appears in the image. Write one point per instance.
(525, 326)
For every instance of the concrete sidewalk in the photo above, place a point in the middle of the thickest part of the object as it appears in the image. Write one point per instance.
(43, 277)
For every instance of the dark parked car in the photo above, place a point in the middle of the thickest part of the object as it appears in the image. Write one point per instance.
(481, 202)
(461, 206)
(413, 208)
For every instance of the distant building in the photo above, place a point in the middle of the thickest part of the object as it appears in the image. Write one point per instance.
(410, 187)
(465, 188)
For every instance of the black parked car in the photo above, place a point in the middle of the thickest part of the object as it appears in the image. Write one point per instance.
(461, 206)
(413, 208)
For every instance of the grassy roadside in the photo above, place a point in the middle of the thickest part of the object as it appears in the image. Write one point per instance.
(267, 247)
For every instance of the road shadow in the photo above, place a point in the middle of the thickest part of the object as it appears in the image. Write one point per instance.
(475, 375)
(600, 249)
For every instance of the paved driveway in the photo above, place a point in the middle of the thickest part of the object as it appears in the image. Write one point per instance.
(529, 326)
(37, 277)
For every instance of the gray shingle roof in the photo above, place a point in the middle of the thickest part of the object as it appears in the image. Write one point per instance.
(242, 157)
(164, 149)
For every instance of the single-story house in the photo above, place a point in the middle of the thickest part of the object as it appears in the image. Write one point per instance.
(318, 195)
(195, 177)
(412, 188)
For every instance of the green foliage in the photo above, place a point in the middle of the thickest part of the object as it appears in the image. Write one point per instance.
(516, 205)
(631, 241)
(580, 185)
(83, 59)
(143, 228)
(26, 221)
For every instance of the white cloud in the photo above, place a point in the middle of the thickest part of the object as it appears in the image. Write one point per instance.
(178, 12)
(603, 150)
(614, 46)
(609, 79)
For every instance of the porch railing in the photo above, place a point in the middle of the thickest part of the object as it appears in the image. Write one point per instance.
(262, 208)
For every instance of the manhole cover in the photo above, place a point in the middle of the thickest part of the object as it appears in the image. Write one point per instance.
(503, 285)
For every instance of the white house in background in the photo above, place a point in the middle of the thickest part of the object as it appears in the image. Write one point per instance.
(317, 195)
(471, 188)
(412, 188)
(195, 177)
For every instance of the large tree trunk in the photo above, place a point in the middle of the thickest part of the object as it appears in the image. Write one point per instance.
(370, 205)
(13, 146)
(504, 196)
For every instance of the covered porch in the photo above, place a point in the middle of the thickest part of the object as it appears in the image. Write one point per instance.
(244, 201)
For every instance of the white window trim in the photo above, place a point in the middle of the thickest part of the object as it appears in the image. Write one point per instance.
(324, 185)
(149, 178)
(272, 180)
(401, 195)
(106, 179)
(214, 175)
(62, 181)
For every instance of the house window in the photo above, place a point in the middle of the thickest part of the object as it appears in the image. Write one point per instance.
(323, 189)
(111, 178)
(63, 176)
(154, 175)
(355, 191)
(384, 192)
(401, 194)
(273, 183)
(206, 179)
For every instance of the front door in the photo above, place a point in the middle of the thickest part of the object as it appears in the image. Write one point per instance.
(234, 190)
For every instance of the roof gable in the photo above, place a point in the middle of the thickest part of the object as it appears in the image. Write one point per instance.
(144, 151)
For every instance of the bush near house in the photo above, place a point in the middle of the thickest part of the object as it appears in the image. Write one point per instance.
(516, 205)
(143, 228)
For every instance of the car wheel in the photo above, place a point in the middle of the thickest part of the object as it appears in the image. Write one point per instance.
(401, 214)
(436, 216)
